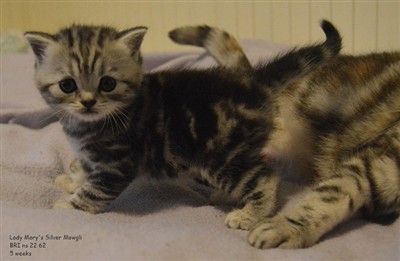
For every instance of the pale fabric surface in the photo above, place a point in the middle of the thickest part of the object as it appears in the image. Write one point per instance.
(150, 220)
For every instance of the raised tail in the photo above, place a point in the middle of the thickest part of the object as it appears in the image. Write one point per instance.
(299, 61)
(333, 41)
(280, 71)
(221, 45)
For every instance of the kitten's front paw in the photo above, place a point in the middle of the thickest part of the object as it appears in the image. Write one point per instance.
(65, 182)
(278, 232)
(63, 204)
(75, 166)
(240, 219)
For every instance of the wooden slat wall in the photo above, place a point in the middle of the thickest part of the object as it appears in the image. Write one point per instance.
(372, 25)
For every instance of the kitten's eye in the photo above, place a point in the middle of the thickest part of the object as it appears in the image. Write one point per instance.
(68, 85)
(107, 84)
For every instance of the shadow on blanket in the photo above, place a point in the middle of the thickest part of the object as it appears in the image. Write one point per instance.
(144, 197)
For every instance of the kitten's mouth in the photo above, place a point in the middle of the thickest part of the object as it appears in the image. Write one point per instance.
(89, 112)
(89, 115)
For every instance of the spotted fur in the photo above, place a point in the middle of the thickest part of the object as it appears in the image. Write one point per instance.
(338, 124)
(122, 123)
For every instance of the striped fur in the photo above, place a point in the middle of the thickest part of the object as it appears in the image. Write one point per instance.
(220, 44)
(338, 124)
(211, 124)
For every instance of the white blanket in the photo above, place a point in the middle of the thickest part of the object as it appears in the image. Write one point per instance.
(150, 220)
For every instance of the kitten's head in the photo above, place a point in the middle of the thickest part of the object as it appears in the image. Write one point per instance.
(88, 72)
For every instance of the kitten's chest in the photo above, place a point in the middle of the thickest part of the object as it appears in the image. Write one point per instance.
(292, 140)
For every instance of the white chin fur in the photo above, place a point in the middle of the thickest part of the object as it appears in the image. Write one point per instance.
(90, 117)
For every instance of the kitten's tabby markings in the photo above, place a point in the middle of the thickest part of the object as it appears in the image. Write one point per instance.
(152, 125)
(121, 123)
(350, 111)
(340, 122)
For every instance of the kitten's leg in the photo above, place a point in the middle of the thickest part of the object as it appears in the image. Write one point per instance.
(332, 201)
(102, 185)
(257, 193)
(72, 181)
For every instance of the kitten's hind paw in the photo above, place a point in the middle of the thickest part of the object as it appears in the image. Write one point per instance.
(240, 219)
(63, 204)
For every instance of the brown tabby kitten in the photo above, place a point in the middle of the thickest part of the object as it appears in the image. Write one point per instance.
(340, 125)
(122, 123)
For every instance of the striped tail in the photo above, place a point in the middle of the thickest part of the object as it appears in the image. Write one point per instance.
(299, 61)
(221, 45)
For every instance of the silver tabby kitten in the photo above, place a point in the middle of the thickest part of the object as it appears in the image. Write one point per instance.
(339, 125)
(212, 124)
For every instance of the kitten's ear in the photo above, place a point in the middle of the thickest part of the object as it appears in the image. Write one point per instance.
(133, 38)
(39, 43)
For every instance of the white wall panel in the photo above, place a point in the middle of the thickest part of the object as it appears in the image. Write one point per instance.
(319, 10)
(281, 22)
(263, 20)
(366, 25)
(226, 16)
(388, 27)
(202, 12)
(300, 22)
(342, 16)
(245, 19)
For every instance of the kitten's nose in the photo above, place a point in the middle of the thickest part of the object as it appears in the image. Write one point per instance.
(88, 103)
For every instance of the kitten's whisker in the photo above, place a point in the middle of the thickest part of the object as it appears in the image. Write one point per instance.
(50, 116)
(122, 113)
(124, 119)
(63, 116)
(104, 124)
(67, 116)
(113, 121)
